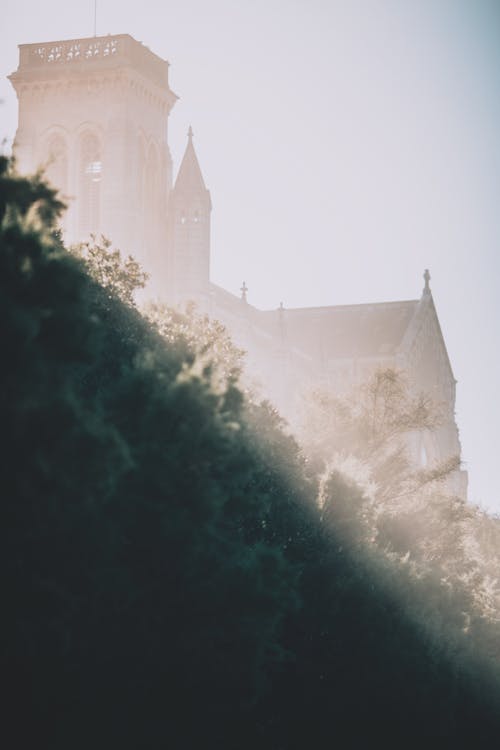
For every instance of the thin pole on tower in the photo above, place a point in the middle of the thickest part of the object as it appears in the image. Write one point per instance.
(95, 17)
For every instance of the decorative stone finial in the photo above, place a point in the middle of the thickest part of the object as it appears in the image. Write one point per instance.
(244, 290)
(427, 278)
(190, 133)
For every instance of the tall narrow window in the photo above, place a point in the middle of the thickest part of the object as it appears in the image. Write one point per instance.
(151, 210)
(57, 163)
(90, 185)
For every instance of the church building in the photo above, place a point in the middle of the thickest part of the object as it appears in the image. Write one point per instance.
(94, 113)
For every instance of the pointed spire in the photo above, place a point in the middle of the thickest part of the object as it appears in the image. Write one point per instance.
(189, 178)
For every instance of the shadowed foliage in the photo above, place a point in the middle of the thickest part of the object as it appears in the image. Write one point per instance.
(168, 579)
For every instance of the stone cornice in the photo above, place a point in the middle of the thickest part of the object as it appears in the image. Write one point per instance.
(93, 57)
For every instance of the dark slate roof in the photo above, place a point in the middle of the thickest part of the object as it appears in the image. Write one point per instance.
(338, 332)
(347, 331)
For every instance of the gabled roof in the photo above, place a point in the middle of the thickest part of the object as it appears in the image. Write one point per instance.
(340, 332)
(418, 326)
(349, 331)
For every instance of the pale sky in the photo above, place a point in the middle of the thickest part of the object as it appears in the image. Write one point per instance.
(347, 145)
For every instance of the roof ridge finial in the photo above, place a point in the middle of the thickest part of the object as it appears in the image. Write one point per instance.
(244, 290)
(427, 278)
(190, 133)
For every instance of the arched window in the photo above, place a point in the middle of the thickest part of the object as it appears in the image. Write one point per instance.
(57, 162)
(90, 173)
(151, 210)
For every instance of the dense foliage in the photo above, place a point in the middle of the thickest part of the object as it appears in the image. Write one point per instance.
(409, 514)
(168, 579)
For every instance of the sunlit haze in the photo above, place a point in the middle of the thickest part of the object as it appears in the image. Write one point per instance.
(347, 146)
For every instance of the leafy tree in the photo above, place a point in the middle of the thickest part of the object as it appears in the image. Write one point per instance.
(120, 278)
(403, 514)
(216, 356)
(127, 478)
(32, 200)
(365, 434)
(372, 423)
(167, 577)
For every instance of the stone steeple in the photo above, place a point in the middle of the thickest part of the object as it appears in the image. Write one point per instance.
(189, 231)
(189, 180)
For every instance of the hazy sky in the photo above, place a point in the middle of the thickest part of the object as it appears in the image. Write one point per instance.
(347, 146)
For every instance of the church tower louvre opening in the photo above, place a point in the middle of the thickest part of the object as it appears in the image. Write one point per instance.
(94, 113)
(89, 187)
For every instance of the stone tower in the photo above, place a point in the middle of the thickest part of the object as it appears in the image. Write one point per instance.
(94, 112)
(189, 232)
